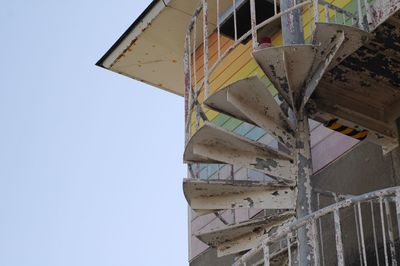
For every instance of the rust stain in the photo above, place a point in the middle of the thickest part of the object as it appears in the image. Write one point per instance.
(123, 53)
(129, 48)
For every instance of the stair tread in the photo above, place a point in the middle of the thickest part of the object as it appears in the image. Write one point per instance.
(287, 67)
(222, 194)
(249, 100)
(213, 144)
(227, 233)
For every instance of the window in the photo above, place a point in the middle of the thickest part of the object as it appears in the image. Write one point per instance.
(264, 10)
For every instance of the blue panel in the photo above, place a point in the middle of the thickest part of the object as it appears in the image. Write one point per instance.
(243, 129)
(256, 133)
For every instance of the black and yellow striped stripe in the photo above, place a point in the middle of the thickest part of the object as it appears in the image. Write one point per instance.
(348, 131)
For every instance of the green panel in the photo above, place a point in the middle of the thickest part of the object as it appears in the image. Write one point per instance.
(212, 169)
(220, 119)
(232, 124)
(202, 166)
(244, 128)
(256, 133)
(203, 174)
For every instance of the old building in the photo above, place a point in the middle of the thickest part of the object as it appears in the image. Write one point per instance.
(291, 132)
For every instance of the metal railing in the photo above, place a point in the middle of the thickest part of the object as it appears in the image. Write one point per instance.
(375, 230)
(200, 62)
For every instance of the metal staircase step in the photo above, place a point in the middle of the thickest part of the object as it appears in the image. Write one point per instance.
(326, 33)
(232, 239)
(287, 67)
(249, 100)
(213, 144)
(219, 194)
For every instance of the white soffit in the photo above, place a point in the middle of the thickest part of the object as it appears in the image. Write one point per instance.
(151, 50)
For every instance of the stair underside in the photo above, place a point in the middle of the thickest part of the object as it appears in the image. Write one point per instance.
(232, 239)
(213, 144)
(354, 39)
(217, 195)
(364, 90)
(249, 100)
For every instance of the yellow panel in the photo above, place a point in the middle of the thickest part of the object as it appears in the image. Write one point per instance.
(226, 62)
(244, 72)
(212, 114)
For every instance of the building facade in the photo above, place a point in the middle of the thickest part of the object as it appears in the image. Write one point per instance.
(291, 124)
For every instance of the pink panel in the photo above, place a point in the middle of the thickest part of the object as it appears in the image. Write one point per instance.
(330, 149)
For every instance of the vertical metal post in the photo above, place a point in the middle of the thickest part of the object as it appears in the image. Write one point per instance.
(292, 29)
(316, 11)
(205, 42)
(368, 15)
(326, 14)
(362, 233)
(321, 239)
(397, 198)
(390, 232)
(288, 243)
(194, 54)
(383, 231)
(338, 237)
(219, 29)
(266, 254)
(374, 232)
(358, 234)
(360, 18)
(186, 67)
(235, 20)
(253, 23)
(306, 235)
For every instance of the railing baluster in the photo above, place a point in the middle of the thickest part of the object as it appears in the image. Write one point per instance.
(338, 238)
(311, 22)
(194, 54)
(218, 30)
(254, 22)
(358, 235)
(383, 231)
(374, 232)
(362, 233)
(326, 13)
(266, 253)
(390, 232)
(205, 33)
(320, 231)
(344, 18)
(187, 67)
(288, 239)
(275, 7)
(368, 14)
(314, 242)
(397, 198)
(316, 11)
(359, 10)
(235, 20)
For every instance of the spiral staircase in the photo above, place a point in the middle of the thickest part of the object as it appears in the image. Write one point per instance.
(296, 71)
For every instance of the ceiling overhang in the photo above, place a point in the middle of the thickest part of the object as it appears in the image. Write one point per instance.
(151, 50)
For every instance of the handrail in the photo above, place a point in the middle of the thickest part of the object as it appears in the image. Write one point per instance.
(334, 208)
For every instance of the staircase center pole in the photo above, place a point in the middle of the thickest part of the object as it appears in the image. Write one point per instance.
(306, 235)
(292, 29)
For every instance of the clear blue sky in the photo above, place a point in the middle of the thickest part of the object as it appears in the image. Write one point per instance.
(90, 161)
